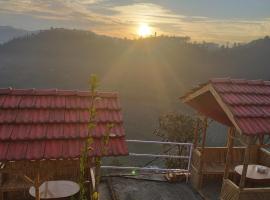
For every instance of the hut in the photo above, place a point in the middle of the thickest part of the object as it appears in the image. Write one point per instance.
(244, 107)
(43, 131)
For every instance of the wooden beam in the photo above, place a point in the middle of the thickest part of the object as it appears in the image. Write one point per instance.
(28, 179)
(1, 183)
(229, 152)
(213, 91)
(205, 125)
(196, 133)
(245, 167)
(224, 107)
(37, 184)
(195, 94)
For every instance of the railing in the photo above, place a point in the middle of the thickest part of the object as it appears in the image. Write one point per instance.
(156, 169)
(264, 157)
(214, 158)
(229, 190)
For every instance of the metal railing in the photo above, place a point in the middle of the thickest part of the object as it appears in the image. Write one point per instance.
(157, 169)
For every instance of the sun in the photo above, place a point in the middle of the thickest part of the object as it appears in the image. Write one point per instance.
(144, 30)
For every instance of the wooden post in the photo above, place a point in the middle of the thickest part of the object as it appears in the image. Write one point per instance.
(205, 124)
(229, 152)
(37, 184)
(196, 134)
(245, 166)
(1, 183)
(202, 152)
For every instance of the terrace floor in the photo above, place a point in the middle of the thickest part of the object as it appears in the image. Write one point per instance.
(134, 188)
(211, 190)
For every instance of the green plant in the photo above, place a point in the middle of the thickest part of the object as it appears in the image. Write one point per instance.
(176, 127)
(89, 141)
(84, 159)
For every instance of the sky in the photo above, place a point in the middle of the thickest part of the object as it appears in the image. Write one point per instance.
(219, 21)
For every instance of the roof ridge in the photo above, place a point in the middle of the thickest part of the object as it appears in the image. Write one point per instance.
(239, 81)
(54, 91)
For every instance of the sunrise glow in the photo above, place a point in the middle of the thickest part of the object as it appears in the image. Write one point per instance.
(144, 30)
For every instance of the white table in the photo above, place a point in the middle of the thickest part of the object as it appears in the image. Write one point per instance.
(56, 189)
(252, 172)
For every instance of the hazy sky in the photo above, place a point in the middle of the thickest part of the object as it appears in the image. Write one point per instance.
(209, 20)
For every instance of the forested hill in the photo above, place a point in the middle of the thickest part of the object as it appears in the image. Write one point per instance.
(150, 74)
(8, 33)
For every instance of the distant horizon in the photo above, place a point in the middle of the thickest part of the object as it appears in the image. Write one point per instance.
(215, 21)
(229, 43)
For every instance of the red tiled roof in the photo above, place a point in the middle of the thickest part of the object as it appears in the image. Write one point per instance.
(247, 101)
(53, 124)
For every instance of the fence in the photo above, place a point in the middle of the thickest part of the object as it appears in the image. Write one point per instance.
(157, 169)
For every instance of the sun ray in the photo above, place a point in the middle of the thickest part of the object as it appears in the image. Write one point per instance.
(144, 30)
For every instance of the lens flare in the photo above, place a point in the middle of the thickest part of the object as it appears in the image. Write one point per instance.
(144, 30)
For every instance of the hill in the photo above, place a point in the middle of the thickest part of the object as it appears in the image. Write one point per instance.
(8, 33)
(150, 73)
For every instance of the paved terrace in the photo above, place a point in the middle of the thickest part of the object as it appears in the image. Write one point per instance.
(127, 188)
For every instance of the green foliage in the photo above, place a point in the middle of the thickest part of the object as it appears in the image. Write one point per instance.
(177, 127)
(94, 83)
(87, 146)
(84, 159)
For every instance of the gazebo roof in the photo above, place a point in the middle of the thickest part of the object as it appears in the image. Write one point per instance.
(244, 104)
(53, 124)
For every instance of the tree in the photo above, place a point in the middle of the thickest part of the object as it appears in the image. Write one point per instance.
(177, 127)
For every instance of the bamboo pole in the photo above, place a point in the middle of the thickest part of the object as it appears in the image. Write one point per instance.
(245, 166)
(205, 125)
(37, 184)
(229, 152)
(1, 183)
(196, 133)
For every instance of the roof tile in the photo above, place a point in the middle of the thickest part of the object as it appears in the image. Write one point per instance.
(53, 124)
(249, 102)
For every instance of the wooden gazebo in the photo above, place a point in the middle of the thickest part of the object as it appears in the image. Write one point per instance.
(243, 106)
(42, 134)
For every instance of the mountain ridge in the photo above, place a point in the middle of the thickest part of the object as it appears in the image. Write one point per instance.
(150, 74)
(8, 33)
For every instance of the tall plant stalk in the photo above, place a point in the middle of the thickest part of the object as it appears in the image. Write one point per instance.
(84, 159)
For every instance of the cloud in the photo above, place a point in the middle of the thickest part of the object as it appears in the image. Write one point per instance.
(121, 18)
(199, 28)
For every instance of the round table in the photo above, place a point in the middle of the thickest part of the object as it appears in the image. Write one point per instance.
(252, 172)
(56, 189)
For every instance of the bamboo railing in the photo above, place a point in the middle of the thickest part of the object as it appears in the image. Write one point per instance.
(255, 193)
(264, 157)
(214, 159)
(212, 162)
(230, 191)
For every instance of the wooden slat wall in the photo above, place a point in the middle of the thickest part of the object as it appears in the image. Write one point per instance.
(229, 191)
(264, 157)
(255, 194)
(196, 156)
(218, 154)
(195, 178)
